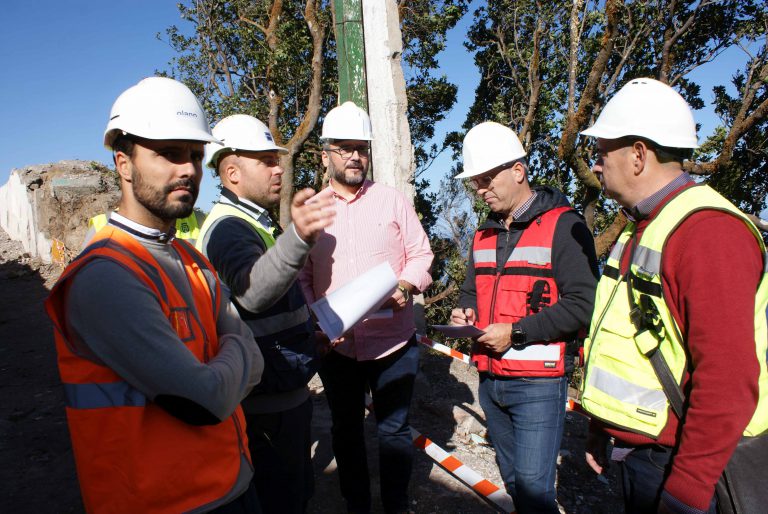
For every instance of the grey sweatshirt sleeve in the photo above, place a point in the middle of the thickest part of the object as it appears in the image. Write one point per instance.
(114, 319)
(257, 277)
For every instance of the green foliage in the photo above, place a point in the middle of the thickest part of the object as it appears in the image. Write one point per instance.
(522, 49)
(508, 34)
(745, 178)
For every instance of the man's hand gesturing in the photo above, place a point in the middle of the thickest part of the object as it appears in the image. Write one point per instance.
(311, 217)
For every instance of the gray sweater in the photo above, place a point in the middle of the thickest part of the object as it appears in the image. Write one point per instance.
(115, 319)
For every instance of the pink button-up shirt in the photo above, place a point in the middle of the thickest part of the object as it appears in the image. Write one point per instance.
(378, 224)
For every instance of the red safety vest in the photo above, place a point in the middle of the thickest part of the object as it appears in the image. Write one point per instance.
(131, 455)
(524, 286)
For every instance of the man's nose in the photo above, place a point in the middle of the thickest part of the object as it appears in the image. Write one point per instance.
(189, 167)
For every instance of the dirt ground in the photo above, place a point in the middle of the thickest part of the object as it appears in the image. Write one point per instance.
(37, 470)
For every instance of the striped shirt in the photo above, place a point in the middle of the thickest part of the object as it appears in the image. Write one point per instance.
(646, 206)
(526, 205)
(377, 225)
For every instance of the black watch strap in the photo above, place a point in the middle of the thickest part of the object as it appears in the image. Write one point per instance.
(518, 336)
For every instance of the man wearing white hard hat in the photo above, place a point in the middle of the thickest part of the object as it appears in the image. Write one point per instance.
(675, 368)
(374, 224)
(530, 284)
(153, 356)
(240, 239)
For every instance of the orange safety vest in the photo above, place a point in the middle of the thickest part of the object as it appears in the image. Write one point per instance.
(523, 286)
(131, 455)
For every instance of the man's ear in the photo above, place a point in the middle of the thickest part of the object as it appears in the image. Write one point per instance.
(519, 172)
(325, 157)
(231, 172)
(123, 165)
(639, 157)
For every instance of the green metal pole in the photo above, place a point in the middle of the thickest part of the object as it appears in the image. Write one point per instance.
(350, 52)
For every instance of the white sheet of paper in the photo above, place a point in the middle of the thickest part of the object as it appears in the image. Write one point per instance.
(459, 330)
(356, 300)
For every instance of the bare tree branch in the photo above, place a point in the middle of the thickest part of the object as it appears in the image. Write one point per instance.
(445, 293)
(742, 122)
(534, 80)
(574, 53)
(567, 148)
(605, 240)
(311, 115)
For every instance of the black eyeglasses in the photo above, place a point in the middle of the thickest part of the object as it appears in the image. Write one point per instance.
(483, 181)
(346, 152)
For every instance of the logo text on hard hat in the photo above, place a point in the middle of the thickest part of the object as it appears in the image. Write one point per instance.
(186, 113)
(268, 136)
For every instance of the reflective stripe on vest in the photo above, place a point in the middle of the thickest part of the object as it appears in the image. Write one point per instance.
(127, 449)
(262, 327)
(620, 386)
(267, 325)
(504, 296)
(101, 395)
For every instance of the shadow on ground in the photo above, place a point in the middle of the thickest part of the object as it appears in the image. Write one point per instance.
(37, 473)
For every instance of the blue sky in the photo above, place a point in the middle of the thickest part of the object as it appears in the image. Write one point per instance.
(63, 68)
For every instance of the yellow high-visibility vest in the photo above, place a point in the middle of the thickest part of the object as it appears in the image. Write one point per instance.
(186, 228)
(619, 385)
(222, 210)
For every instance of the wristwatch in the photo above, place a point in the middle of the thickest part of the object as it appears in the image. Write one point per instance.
(405, 292)
(518, 337)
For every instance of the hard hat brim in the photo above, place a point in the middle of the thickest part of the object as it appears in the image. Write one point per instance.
(192, 135)
(500, 167)
(213, 161)
(669, 142)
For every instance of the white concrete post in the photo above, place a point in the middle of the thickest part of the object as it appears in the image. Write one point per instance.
(393, 162)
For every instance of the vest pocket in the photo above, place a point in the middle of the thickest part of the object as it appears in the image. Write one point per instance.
(622, 380)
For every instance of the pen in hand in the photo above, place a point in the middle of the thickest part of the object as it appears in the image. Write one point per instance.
(466, 316)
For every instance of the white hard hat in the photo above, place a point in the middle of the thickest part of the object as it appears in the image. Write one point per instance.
(487, 146)
(347, 121)
(240, 132)
(650, 109)
(158, 108)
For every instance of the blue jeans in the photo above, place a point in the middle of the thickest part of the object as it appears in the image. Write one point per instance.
(280, 445)
(391, 381)
(643, 473)
(525, 422)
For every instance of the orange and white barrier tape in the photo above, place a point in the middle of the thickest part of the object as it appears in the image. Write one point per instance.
(446, 350)
(487, 490)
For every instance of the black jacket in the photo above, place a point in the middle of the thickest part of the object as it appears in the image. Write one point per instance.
(574, 266)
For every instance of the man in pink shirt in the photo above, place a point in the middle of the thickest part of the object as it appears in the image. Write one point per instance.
(374, 224)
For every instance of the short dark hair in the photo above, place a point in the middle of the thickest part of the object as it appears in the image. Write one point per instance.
(124, 143)
(664, 154)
